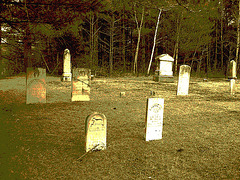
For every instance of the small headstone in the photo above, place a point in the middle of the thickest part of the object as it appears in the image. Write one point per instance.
(67, 75)
(81, 84)
(36, 85)
(154, 119)
(183, 80)
(96, 132)
(232, 86)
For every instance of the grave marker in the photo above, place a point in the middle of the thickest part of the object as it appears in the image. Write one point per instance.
(36, 85)
(67, 75)
(81, 84)
(154, 119)
(233, 77)
(96, 132)
(183, 80)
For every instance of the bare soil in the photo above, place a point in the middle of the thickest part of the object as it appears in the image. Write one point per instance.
(201, 136)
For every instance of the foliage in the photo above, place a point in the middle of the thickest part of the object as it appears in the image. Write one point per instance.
(52, 26)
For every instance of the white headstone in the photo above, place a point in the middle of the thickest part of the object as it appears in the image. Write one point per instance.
(81, 84)
(183, 80)
(154, 119)
(96, 132)
(67, 75)
(36, 85)
(233, 69)
(232, 86)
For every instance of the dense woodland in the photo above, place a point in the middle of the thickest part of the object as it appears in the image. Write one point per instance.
(118, 36)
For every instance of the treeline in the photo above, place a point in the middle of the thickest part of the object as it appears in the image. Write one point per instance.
(118, 36)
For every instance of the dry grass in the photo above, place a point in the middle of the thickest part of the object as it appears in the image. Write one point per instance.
(200, 134)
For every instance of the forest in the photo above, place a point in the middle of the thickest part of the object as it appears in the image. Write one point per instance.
(115, 37)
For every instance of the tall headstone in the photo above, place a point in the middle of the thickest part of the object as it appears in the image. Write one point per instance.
(36, 85)
(154, 119)
(233, 77)
(183, 80)
(67, 75)
(81, 84)
(96, 132)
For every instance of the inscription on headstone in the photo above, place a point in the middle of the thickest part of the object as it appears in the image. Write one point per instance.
(81, 84)
(36, 85)
(154, 119)
(67, 75)
(183, 80)
(96, 132)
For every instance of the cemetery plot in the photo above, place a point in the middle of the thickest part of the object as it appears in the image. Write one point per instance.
(96, 132)
(36, 85)
(81, 84)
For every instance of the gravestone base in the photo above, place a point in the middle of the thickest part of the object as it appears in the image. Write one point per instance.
(168, 79)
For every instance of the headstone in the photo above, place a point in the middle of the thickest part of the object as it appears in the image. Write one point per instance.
(67, 75)
(96, 132)
(81, 84)
(232, 86)
(233, 77)
(36, 85)
(154, 119)
(233, 70)
(183, 80)
(164, 72)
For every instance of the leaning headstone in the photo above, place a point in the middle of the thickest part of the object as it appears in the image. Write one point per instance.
(183, 80)
(81, 84)
(36, 85)
(96, 132)
(67, 75)
(154, 119)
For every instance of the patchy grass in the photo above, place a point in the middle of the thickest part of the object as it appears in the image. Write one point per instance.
(200, 134)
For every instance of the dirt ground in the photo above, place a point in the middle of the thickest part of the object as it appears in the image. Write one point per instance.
(201, 136)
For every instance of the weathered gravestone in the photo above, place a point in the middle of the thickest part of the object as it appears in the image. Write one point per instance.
(233, 70)
(81, 84)
(67, 75)
(183, 80)
(154, 119)
(36, 85)
(233, 76)
(164, 72)
(232, 86)
(96, 132)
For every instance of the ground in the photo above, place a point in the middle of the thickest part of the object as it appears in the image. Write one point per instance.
(201, 136)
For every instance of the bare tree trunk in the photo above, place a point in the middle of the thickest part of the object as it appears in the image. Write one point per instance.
(238, 36)
(111, 45)
(222, 13)
(154, 41)
(216, 50)
(27, 48)
(124, 46)
(175, 56)
(139, 28)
